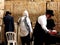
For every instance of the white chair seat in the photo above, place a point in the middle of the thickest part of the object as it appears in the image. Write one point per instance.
(11, 42)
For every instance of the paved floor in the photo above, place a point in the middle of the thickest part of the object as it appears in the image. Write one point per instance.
(1, 43)
(33, 44)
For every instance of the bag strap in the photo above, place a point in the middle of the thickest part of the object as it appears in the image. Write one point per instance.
(26, 24)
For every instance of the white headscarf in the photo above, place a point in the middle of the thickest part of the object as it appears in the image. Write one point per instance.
(25, 13)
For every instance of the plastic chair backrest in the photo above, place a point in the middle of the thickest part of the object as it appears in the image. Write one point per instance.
(11, 36)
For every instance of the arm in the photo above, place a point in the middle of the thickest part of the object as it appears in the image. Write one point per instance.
(30, 26)
(29, 23)
(43, 23)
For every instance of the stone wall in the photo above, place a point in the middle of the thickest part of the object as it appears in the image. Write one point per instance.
(1, 17)
(17, 7)
(36, 0)
(35, 9)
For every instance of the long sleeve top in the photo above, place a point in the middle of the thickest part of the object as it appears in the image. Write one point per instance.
(42, 20)
(28, 22)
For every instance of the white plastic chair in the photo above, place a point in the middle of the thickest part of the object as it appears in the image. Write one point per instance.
(11, 38)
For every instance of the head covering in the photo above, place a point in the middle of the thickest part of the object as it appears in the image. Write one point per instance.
(50, 12)
(25, 13)
(7, 12)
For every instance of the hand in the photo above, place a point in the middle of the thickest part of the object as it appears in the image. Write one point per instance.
(53, 32)
(49, 31)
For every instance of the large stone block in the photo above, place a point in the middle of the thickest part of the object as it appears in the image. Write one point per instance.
(56, 0)
(1, 13)
(9, 6)
(0, 35)
(52, 5)
(18, 0)
(0, 22)
(42, 0)
(58, 12)
(1, 4)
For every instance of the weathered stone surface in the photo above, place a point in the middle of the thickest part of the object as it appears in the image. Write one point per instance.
(56, 0)
(34, 8)
(0, 22)
(52, 5)
(1, 13)
(0, 35)
(1, 4)
(42, 0)
(37, 0)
